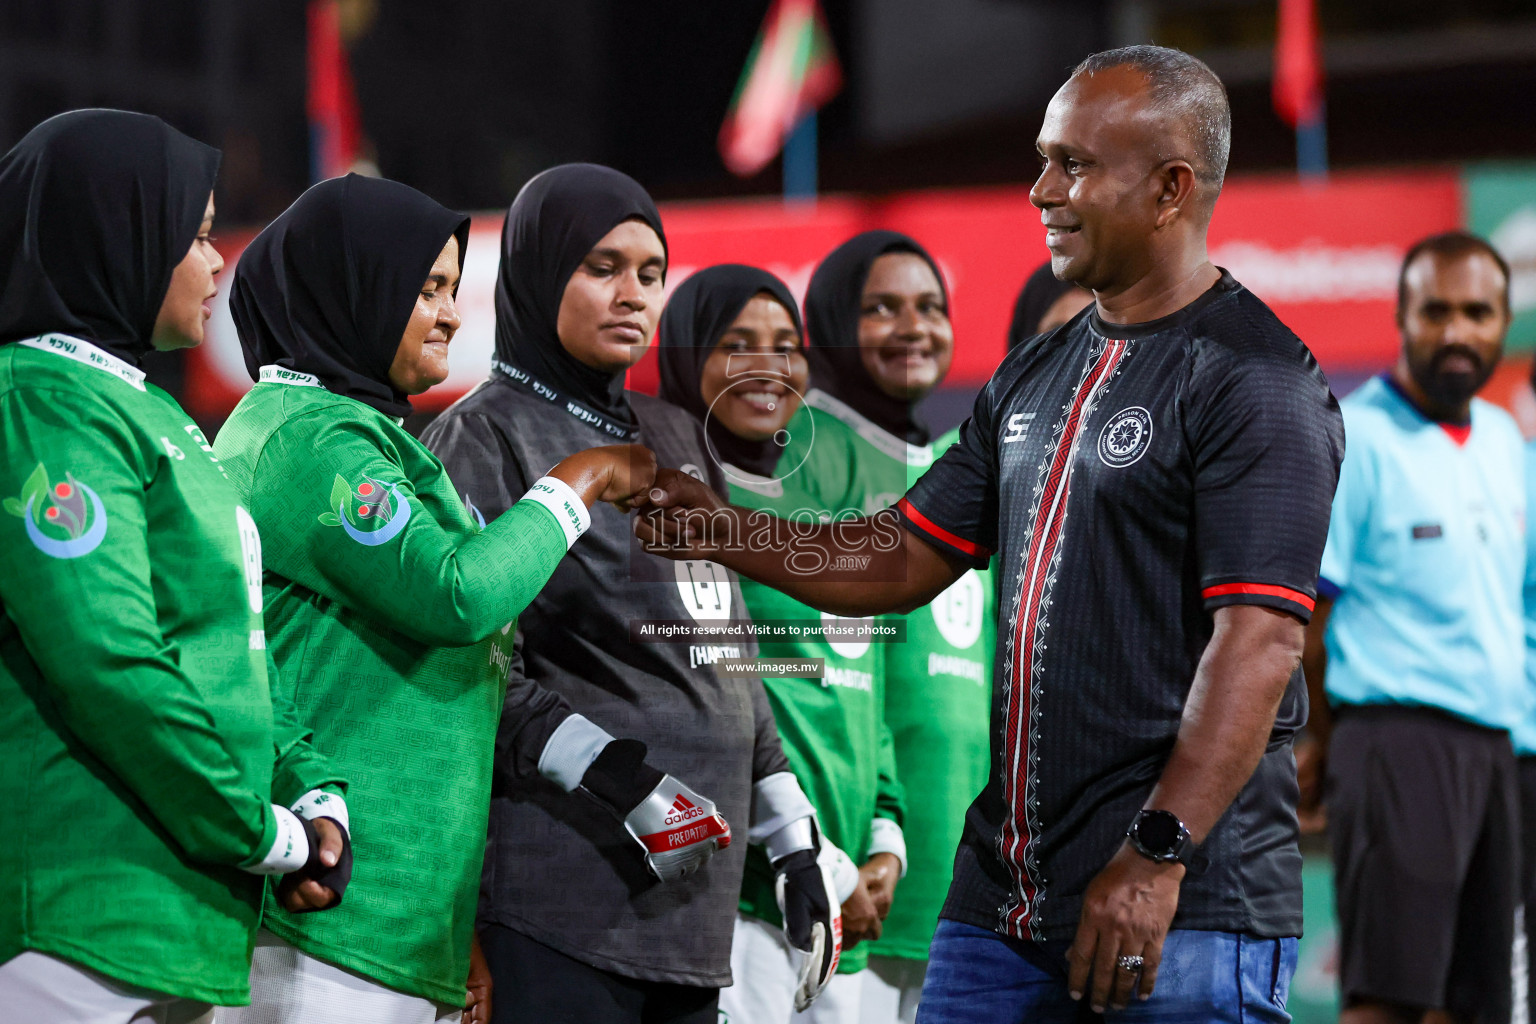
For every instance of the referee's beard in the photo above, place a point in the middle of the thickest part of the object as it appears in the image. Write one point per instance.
(1452, 386)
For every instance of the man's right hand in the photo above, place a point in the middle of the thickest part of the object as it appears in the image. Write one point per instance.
(676, 500)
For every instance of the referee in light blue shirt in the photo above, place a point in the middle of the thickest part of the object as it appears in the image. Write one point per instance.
(1415, 658)
(1525, 736)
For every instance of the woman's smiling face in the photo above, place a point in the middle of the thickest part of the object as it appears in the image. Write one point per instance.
(753, 378)
(906, 342)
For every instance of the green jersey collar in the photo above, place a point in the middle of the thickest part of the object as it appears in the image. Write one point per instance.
(274, 374)
(84, 352)
(897, 448)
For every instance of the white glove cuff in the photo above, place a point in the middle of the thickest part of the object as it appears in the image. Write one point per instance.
(564, 504)
(317, 803)
(290, 847)
(885, 836)
(571, 749)
(798, 835)
(844, 872)
(777, 800)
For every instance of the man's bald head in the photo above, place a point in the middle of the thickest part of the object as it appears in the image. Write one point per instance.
(1189, 97)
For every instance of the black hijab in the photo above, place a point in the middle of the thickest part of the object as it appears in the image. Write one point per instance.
(696, 315)
(328, 287)
(1040, 292)
(832, 308)
(554, 222)
(97, 207)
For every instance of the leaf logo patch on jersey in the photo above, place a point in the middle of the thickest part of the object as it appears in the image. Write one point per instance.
(372, 513)
(1125, 437)
(62, 520)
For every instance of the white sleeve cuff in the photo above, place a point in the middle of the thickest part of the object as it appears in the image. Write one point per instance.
(885, 836)
(844, 872)
(571, 749)
(317, 803)
(290, 848)
(564, 504)
(777, 800)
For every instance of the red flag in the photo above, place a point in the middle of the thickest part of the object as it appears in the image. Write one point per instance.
(1298, 82)
(334, 132)
(791, 71)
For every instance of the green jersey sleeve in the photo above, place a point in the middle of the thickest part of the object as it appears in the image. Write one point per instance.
(391, 559)
(890, 797)
(297, 767)
(84, 605)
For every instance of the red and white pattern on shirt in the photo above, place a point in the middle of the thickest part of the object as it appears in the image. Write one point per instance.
(1026, 642)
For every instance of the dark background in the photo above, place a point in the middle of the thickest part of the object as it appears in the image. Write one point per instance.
(467, 99)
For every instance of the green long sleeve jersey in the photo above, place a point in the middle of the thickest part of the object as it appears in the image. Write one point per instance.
(390, 616)
(832, 729)
(938, 687)
(938, 705)
(139, 752)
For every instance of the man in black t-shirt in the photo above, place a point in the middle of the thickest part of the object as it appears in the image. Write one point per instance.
(1156, 477)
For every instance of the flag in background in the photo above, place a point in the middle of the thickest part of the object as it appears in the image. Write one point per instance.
(334, 132)
(1298, 82)
(791, 71)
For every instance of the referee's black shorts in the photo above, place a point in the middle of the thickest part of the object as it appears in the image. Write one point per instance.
(1423, 816)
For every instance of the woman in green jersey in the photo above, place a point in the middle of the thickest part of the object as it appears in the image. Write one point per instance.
(732, 354)
(389, 606)
(143, 803)
(877, 311)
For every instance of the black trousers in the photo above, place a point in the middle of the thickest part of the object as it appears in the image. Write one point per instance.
(1528, 872)
(537, 985)
(1423, 816)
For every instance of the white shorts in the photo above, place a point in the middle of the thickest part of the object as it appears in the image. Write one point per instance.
(892, 987)
(290, 987)
(36, 988)
(764, 978)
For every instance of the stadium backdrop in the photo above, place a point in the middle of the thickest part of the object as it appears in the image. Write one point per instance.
(1325, 257)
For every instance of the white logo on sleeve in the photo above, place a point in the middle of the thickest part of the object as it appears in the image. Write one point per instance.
(1126, 437)
(957, 611)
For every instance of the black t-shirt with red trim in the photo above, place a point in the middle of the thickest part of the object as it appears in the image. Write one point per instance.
(1134, 479)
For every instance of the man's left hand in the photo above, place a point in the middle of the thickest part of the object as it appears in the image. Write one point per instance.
(880, 874)
(1127, 911)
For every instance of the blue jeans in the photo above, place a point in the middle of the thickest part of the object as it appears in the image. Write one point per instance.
(976, 976)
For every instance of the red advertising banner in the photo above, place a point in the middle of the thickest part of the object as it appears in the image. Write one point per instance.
(1325, 257)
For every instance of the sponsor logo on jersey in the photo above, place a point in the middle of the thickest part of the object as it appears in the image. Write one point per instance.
(683, 810)
(1126, 437)
(372, 513)
(62, 520)
(1018, 427)
(854, 648)
(705, 589)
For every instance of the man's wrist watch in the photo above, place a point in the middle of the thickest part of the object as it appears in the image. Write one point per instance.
(1162, 837)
